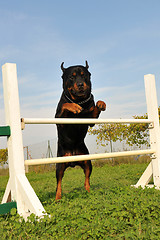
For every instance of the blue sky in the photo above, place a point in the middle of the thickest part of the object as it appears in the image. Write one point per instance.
(120, 40)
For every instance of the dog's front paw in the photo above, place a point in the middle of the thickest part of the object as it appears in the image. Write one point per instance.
(72, 107)
(101, 105)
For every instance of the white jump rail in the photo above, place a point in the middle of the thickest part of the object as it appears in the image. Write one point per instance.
(87, 157)
(19, 189)
(81, 121)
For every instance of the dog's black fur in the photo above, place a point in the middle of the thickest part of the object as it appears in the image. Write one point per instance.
(76, 102)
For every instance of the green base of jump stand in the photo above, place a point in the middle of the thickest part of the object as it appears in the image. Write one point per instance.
(6, 207)
(5, 131)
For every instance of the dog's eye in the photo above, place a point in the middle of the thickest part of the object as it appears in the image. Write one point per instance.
(74, 74)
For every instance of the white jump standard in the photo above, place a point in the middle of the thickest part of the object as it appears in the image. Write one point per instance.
(19, 189)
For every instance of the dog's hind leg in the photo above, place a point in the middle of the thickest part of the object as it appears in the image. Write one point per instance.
(87, 172)
(87, 168)
(60, 168)
(85, 165)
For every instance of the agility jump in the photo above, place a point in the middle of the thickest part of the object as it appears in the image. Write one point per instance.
(19, 189)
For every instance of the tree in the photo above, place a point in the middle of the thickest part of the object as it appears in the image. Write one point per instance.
(131, 134)
(106, 133)
(3, 156)
(137, 134)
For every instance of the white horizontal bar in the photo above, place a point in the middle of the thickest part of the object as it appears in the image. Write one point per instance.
(87, 157)
(80, 120)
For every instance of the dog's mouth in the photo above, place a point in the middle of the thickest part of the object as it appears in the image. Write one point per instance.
(80, 93)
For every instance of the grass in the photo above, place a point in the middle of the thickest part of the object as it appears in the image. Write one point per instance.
(112, 210)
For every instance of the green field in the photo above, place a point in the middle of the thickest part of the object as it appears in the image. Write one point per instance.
(112, 210)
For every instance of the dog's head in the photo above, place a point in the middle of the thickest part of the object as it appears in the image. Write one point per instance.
(76, 81)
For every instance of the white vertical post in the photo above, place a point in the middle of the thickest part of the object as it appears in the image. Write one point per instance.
(12, 115)
(18, 188)
(152, 109)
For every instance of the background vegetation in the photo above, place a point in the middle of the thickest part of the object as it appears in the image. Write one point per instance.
(3, 156)
(130, 134)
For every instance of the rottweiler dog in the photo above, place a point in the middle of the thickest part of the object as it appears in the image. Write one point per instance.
(76, 102)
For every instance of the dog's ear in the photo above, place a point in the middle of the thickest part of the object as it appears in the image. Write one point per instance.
(87, 66)
(63, 69)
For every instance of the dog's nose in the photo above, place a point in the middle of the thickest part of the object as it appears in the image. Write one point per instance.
(80, 84)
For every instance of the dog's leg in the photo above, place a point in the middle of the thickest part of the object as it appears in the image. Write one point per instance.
(60, 168)
(85, 165)
(87, 168)
(100, 106)
(69, 107)
(87, 172)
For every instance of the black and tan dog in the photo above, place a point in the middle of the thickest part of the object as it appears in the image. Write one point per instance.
(76, 102)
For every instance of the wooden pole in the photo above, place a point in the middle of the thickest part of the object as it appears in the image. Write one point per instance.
(153, 169)
(86, 157)
(80, 121)
(18, 188)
